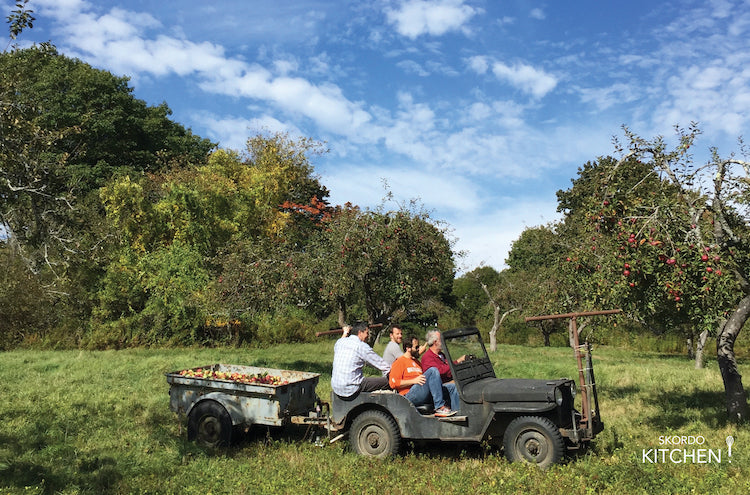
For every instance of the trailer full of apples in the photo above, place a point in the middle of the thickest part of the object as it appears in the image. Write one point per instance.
(253, 379)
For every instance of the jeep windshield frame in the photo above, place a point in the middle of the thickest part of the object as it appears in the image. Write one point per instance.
(476, 365)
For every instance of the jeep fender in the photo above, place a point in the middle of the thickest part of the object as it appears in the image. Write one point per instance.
(525, 408)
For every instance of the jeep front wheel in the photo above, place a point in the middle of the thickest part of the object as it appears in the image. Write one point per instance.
(534, 440)
(375, 434)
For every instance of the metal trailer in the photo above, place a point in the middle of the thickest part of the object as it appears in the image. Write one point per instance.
(215, 407)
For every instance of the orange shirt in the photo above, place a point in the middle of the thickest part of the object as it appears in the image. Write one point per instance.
(403, 368)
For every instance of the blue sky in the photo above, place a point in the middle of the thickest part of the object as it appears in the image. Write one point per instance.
(480, 109)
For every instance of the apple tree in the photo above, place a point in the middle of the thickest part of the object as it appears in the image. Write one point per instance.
(666, 240)
(620, 223)
(379, 262)
(394, 260)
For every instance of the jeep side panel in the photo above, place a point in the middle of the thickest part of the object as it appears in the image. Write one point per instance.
(469, 425)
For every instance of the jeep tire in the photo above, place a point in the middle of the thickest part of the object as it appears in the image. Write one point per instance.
(375, 434)
(535, 440)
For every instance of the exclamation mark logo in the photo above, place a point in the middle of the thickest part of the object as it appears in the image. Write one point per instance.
(730, 441)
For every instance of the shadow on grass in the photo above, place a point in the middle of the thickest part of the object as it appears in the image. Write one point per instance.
(449, 450)
(73, 470)
(62, 466)
(21, 474)
(619, 392)
(295, 434)
(677, 409)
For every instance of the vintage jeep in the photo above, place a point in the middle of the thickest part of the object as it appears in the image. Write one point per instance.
(533, 420)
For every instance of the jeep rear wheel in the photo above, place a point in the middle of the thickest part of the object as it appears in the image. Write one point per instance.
(375, 434)
(534, 440)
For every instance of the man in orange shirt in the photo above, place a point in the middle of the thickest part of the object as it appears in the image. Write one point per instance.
(407, 378)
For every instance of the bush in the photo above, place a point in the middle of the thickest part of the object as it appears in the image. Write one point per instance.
(27, 312)
(289, 324)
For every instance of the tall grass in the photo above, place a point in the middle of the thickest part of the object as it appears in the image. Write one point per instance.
(99, 422)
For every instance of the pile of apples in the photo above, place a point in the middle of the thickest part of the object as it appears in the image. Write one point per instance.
(259, 378)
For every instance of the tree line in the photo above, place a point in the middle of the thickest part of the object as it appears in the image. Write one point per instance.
(123, 228)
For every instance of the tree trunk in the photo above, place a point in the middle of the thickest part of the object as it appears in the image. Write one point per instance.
(699, 351)
(736, 400)
(369, 301)
(496, 321)
(495, 326)
(581, 325)
(689, 346)
(342, 312)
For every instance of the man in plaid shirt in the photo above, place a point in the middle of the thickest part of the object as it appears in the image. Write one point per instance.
(350, 354)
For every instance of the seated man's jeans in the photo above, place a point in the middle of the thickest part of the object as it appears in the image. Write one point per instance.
(433, 390)
(450, 389)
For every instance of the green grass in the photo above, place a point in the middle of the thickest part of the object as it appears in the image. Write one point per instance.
(99, 422)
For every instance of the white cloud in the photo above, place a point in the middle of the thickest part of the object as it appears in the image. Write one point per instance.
(708, 78)
(525, 78)
(537, 14)
(285, 66)
(414, 18)
(478, 64)
(412, 67)
(606, 97)
(233, 132)
(366, 185)
(479, 111)
(487, 237)
(116, 40)
(113, 41)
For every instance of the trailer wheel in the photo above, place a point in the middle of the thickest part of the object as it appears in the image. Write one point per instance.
(375, 434)
(535, 440)
(210, 425)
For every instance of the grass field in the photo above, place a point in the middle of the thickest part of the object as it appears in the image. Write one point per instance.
(99, 422)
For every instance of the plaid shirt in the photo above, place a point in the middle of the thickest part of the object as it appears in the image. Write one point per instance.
(349, 357)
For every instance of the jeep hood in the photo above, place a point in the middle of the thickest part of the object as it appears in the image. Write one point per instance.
(511, 390)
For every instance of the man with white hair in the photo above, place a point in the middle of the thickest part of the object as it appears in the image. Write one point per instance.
(434, 358)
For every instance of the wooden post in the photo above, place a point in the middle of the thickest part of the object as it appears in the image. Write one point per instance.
(586, 406)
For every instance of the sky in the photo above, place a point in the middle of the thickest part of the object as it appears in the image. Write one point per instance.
(480, 110)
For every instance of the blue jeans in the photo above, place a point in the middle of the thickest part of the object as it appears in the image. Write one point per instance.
(450, 389)
(434, 389)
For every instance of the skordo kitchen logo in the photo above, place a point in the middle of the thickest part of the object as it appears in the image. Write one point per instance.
(687, 449)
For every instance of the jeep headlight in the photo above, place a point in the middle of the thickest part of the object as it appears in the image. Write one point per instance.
(573, 389)
(558, 396)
